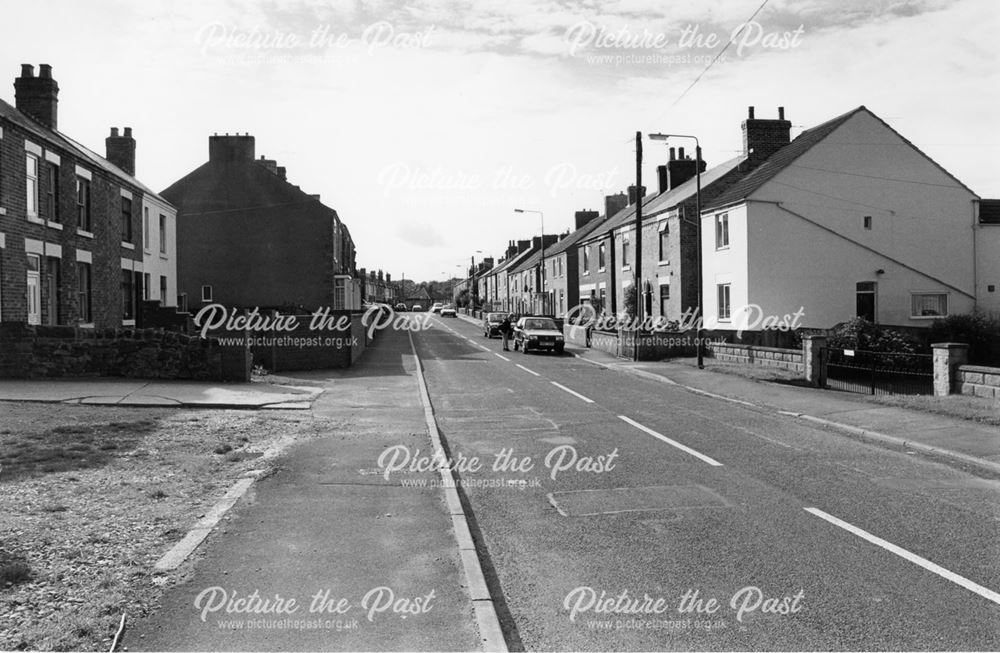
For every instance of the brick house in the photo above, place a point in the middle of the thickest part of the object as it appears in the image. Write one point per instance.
(562, 265)
(525, 278)
(595, 251)
(377, 287)
(246, 237)
(71, 227)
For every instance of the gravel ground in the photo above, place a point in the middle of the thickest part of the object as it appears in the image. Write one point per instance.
(91, 497)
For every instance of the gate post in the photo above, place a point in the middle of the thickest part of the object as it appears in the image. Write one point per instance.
(947, 358)
(814, 363)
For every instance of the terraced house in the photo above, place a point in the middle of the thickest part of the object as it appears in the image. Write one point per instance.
(72, 231)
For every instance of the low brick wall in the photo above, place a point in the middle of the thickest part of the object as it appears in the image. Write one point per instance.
(307, 349)
(978, 381)
(606, 341)
(62, 351)
(788, 359)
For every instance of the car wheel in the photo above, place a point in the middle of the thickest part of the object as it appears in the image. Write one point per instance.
(559, 351)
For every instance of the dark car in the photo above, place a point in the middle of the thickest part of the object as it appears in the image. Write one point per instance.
(491, 324)
(538, 333)
(400, 306)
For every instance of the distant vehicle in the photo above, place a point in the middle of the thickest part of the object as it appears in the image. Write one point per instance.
(400, 306)
(436, 308)
(491, 324)
(417, 307)
(539, 333)
(448, 311)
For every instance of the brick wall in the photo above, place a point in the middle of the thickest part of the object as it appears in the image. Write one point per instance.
(978, 381)
(63, 351)
(788, 359)
(306, 349)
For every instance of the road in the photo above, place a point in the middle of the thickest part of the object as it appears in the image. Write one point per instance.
(804, 539)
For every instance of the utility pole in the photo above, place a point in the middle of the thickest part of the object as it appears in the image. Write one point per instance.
(637, 282)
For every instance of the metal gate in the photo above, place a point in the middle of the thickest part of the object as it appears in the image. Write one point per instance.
(879, 373)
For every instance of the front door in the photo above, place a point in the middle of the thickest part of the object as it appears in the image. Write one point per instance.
(34, 290)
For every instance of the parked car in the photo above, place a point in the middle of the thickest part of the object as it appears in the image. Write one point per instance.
(539, 333)
(436, 308)
(448, 311)
(417, 307)
(400, 306)
(491, 324)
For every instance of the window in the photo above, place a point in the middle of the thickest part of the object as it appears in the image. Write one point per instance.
(145, 228)
(182, 302)
(83, 204)
(929, 305)
(664, 298)
(128, 295)
(339, 294)
(206, 291)
(83, 291)
(163, 234)
(145, 286)
(602, 254)
(602, 295)
(586, 259)
(664, 241)
(163, 290)
(868, 222)
(52, 192)
(865, 300)
(32, 185)
(722, 291)
(126, 219)
(722, 231)
(625, 251)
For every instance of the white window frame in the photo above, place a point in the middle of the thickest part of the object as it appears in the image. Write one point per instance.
(626, 242)
(914, 298)
(145, 229)
(722, 231)
(727, 290)
(31, 198)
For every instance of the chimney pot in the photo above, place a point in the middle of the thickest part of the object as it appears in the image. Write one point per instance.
(781, 113)
(27, 70)
(673, 154)
(114, 132)
(680, 153)
(128, 132)
(45, 71)
(750, 113)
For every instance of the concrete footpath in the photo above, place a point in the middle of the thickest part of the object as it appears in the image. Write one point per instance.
(371, 563)
(105, 391)
(960, 442)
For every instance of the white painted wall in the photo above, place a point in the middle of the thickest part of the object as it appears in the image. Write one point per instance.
(728, 265)
(154, 262)
(988, 267)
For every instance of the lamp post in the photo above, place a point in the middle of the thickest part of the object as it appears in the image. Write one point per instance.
(544, 291)
(701, 293)
(473, 291)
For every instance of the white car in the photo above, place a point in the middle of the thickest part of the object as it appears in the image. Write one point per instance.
(448, 311)
(436, 308)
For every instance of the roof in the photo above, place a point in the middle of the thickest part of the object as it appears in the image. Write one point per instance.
(989, 211)
(575, 237)
(529, 262)
(65, 142)
(780, 160)
(513, 260)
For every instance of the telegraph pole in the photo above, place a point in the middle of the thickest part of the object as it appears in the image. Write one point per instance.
(637, 282)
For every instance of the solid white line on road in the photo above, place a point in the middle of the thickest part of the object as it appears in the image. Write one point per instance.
(501, 356)
(527, 370)
(572, 392)
(484, 347)
(911, 557)
(700, 456)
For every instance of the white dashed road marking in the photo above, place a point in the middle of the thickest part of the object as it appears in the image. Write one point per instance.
(700, 456)
(572, 392)
(527, 370)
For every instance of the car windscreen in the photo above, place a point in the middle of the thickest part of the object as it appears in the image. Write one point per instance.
(540, 324)
(495, 317)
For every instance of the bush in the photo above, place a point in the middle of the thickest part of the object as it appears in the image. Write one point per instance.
(861, 334)
(980, 331)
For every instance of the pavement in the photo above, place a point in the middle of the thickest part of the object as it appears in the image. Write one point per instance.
(962, 442)
(370, 559)
(106, 391)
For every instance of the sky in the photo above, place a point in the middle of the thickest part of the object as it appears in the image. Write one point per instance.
(426, 123)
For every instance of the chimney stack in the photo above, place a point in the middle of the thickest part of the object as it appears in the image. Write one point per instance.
(238, 147)
(681, 169)
(585, 216)
(662, 179)
(282, 173)
(120, 150)
(614, 203)
(270, 164)
(762, 138)
(635, 195)
(37, 97)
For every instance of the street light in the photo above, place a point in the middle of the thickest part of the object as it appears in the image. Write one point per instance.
(701, 293)
(473, 291)
(544, 291)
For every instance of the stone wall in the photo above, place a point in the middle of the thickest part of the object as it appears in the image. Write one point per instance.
(978, 381)
(308, 349)
(60, 351)
(788, 359)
